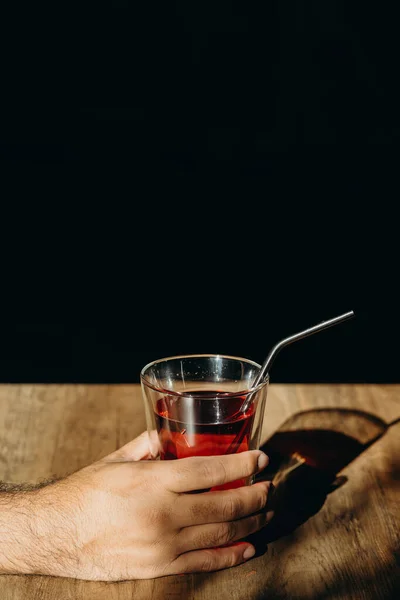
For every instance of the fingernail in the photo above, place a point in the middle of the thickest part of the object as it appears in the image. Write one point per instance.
(249, 552)
(263, 460)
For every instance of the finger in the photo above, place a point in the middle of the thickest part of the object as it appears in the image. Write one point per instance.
(220, 534)
(144, 447)
(213, 559)
(221, 506)
(199, 473)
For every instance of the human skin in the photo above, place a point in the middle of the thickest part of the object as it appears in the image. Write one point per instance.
(128, 516)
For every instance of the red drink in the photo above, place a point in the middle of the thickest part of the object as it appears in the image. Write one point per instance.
(201, 426)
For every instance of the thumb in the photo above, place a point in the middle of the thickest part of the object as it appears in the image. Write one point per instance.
(144, 447)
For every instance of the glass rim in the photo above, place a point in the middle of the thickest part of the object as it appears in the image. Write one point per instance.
(170, 392)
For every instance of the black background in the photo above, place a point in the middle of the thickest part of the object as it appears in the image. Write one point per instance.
(198, 177)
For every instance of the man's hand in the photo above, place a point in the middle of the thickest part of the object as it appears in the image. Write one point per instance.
(127, 518)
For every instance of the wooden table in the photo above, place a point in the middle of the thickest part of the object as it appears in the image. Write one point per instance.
(337, 539)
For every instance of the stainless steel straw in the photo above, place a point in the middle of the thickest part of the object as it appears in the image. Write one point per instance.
(264, 371)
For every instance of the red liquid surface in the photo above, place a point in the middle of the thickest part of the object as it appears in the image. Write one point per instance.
(185, 427)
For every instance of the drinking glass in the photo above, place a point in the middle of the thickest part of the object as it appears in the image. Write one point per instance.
(193, 406)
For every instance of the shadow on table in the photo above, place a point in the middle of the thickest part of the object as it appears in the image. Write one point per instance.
(307, 454)
(382, 584)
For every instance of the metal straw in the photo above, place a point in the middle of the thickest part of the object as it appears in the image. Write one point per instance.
(264, 371)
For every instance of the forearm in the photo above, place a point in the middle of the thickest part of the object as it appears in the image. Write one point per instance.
(17, 531)
(33, 536)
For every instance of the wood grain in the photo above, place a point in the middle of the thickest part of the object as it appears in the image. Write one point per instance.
(346, 550)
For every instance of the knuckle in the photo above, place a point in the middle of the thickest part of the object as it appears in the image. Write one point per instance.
(207, 472)
(233, 507)
(206, 540)
(207, 561)
(221, 470)
(156, 518)
(180, 471)
(232, 560)
(227, 533)
(219, 535)
(212, 471)
(149, 485)
(250, 464)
